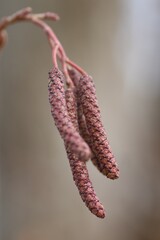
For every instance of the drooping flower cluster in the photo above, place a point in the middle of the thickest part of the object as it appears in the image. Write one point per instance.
(77, 116)
(75, 110)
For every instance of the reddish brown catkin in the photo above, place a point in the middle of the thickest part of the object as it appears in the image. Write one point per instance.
(79, 169)
(59, 112)
(83, 127)
(82, 122)
(75, 76)
(101, 147)
(85, 134)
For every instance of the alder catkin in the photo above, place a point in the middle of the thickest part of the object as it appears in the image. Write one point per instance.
(82, 122)
(59, 112)
(100, 145)
(79, 169)
(75, 76)
(86, 136)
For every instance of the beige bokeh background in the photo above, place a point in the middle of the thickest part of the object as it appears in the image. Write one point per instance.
(117, 42)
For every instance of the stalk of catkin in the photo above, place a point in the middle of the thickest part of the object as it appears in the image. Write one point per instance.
(100, 145)
(79, 169)
(59, 112)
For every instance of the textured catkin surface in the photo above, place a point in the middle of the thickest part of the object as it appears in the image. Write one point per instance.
(85, 134)
(79, 169)
(81, 120)
(75, 76)
(84, 131)
(59, 112)
(99, 143)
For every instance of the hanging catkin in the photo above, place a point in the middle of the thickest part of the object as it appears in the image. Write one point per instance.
(79, 169)
(75, 110)
(59, 112)
(83, 127)
(75, 76)
(100, 145)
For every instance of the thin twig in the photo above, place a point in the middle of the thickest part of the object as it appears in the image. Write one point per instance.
(57, 48)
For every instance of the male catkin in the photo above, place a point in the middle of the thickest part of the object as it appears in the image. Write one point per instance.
(79, 169)
(100, 145)
(59, 112)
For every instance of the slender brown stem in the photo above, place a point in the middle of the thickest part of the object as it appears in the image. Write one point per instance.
(18, 16)
(57, 48)
(54, 55)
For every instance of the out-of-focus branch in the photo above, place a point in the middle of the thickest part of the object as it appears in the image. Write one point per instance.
(38, 19)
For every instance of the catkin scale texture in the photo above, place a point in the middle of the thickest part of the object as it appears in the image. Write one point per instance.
(59, 112)
(99, 145)
(85, 134)
(82, 124)
(75, 76)
(79, 169)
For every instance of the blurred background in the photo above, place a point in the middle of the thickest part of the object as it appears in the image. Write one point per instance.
(117, 42)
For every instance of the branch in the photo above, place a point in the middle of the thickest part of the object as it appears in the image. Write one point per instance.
(58, 51)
